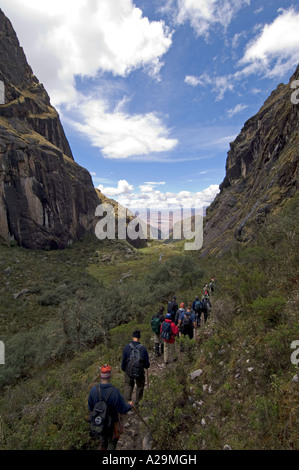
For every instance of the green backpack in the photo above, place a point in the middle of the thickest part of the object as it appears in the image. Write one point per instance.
(155, 324)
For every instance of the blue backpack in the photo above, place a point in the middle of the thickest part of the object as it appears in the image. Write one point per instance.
(166, 331)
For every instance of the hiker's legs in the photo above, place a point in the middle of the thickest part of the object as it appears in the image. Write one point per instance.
(112, 443)
(157, 341)
(103, 442)
(108, 442)
(128, 389)
(169, 351)
(140, 381)
(166, 352)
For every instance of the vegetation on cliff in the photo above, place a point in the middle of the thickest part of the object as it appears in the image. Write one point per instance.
(65, 324)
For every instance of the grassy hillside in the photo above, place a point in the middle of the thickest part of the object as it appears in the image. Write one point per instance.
(64, 313)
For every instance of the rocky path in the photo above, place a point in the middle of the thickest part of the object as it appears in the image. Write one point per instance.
(136, 436)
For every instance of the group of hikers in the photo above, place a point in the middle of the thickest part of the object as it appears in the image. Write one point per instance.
(180, 320)
(105, 402)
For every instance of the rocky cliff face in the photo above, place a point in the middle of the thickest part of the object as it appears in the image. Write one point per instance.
(46, 199)
(261, 173)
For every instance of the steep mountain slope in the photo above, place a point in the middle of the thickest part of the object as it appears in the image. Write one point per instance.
(46, 199)
(261, 173)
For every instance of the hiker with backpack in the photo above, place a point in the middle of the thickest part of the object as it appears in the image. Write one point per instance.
(169, 332)
(134, 361)
(105, 403)
(206, 288)
(156, 323)
(172, 308)
(179, 313)
(206, 305)
(187, 324)
(197, 308)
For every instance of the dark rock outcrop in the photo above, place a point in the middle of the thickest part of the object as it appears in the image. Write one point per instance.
(261, 173)
(46, 199)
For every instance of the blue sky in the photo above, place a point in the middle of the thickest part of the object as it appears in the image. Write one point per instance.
(151, 93)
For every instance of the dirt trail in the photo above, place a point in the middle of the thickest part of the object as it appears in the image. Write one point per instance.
(136, 435)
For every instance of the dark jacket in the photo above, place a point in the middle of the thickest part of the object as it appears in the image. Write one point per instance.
(116, 401)
(172, 308)
(127, 352)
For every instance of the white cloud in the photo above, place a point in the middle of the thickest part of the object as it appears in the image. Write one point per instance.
(83, 37)
(272, 53)
(259, 10)
(194, 81)
(121, 135)
(123, 187)
(220, 84)
(237, 109)
(148, 197)
(236, 39)
(275, 51)
(204, 14)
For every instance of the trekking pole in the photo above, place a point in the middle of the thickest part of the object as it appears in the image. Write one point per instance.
(140, 417)
(147, 378)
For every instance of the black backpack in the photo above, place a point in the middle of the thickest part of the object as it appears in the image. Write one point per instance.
(166, 330)
(170, 307)
(186, 323)
(134, 367)
(100, 419)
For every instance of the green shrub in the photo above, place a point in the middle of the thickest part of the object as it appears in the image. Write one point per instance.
(269, 309)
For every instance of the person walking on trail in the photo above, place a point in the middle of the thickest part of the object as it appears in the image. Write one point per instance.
(172, 308)
(212, 285)
(197, 308)
(108, 436)
(206, 288)
(169, 332)
(179, 313)
(156, 323)
(134, 361)
(187, 323)
(206, 305)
